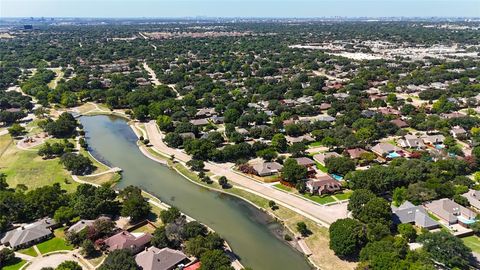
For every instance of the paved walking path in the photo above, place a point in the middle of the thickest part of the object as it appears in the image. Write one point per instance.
(324, 215)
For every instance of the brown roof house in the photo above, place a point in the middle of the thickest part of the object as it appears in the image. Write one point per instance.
(451, 212)
(473, 197)
(323, 184)
(411, 141)
(320, 158)
(305, 162)
(267, 168)
(154, 258)
(355, 153)
(387, 150)
(399, 123)
(127, 240)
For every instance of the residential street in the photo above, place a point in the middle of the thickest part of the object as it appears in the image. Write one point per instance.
(324, 215)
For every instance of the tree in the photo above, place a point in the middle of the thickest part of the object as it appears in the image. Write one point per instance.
(273, 205)
(196, 165)
(339, 165)
(170, 215)
(358, 199)
(88, 249)
(377, 231)
(77, 164)
(69, 265)
(447, 249)
(302, 229)
(347, 237)
(407, 231)
(63, 127)
(193, 229)
(134, 204)
(6, 255)
(165, 123)
(292, 172)
(223, 182)
(159, 238)
(119, 260)
(279, 142)
(16, 130)
(64, 214)
(399, 195)
(215, 259)
(377, 210)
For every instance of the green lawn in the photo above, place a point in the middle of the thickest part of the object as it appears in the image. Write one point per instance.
(343, 196)
(318, 199)
(26, 167)
(283, 187)
(321, 167)
(472, 242)
(314, 144)
(15, 265)
(53, 244)
(29, 251)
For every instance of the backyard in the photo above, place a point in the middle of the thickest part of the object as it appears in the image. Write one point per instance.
(472, 242)
(54, 244)
(14, 264)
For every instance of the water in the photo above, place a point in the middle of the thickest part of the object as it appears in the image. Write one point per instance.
(249, 232)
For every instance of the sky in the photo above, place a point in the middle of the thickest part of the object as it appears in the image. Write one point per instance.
(239, 8)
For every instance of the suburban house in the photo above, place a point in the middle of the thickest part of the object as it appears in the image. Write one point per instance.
(411, 141)
(473, 197)
(154, 258)
(205, 112)
(304, 138)
(399, 123)
(416, 215)
(458, 132)
(433, 140)
(323, 184)
(199, 122)
(127, 240)
(267, 168)
(355, 153)
(305, 162)
(387, 150)
(451, 212)
(30, 234)
(84, 223)
(320, 158)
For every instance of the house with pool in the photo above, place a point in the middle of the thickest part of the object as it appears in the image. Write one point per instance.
(451, 213)
(388, 151)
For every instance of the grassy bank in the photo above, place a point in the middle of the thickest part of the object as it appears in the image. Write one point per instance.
(27, 168)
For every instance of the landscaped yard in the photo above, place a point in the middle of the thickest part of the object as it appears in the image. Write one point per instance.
(318, 199)
(54, 244)
(15, 265)
(472, 242)
(26, 167)
(343, 196)
(283, 187)
(321, 167)
(315, 144)
(29, 251)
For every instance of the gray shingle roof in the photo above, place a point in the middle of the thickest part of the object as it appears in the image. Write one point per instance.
(28, 233)
(409, 213)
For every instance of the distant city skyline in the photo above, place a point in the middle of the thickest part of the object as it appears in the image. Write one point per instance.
(239, 8)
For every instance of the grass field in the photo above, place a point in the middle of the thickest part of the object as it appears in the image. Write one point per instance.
(343, 196)
(472, 242)
(15, 265)
(26, 167)
(110, 178)
(29, 251)
(56, 243)
(315, 198)
(99, 166)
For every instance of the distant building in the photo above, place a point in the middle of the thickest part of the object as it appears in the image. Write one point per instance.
(320, 158)
(267, 168)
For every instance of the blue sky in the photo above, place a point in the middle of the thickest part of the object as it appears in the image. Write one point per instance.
(239, 8)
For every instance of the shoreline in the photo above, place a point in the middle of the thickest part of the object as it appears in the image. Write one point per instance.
(139, 132)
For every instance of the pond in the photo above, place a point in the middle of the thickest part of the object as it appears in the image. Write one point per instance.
(249, 231)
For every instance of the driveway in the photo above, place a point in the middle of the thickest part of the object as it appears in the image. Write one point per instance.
(324, 215)
(52, 261)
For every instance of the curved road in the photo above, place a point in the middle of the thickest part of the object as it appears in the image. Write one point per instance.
(324, 215)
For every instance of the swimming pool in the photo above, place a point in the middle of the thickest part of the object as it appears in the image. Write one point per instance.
(466, 221)
(337, 177)
(439, 146)
(393, 155)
